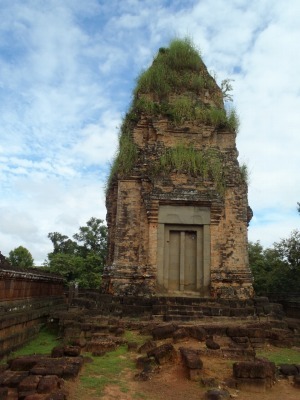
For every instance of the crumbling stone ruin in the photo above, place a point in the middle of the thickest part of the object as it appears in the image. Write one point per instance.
(177, 208)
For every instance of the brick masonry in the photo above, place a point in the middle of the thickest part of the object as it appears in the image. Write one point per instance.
(27, 297)
(136, 249)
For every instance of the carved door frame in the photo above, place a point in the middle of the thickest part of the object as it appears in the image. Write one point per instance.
(182, 219)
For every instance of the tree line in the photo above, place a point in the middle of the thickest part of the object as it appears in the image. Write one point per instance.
(79, 259)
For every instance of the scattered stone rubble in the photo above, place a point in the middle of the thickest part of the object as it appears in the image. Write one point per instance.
(42, 377)
(39, 377)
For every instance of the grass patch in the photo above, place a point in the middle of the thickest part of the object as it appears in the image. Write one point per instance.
(206, 163)
(106, 370)
(126, 157)
(42, 344)
(244, 173)
(134, 336)
(280, 355)
(173, 69)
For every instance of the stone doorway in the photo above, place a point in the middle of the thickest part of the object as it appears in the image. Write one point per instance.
(184, 250)
(183, 266)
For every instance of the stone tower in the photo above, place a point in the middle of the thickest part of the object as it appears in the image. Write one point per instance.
(177, 207)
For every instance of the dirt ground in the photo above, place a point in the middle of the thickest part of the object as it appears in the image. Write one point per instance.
(171, 382)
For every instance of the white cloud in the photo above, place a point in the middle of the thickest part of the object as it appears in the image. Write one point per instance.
(66, 74)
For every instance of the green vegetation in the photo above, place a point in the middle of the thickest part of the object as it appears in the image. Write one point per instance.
(174, 86)
(20, 257)
(106, 370)
(174, 69)
(276, 269)
(42, 344)
(80, 260)
(126, 156)
(186, 159)
(186, 108)
(244, 173)
(134, 336)
(280, 355)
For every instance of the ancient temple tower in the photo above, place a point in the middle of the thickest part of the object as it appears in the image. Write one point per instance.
(177, 208)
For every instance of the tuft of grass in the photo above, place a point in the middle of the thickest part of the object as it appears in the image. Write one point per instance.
(233, 121)
(42, 344)
(206, 163)
(244, 173)
(134, 336)
(182, 109)
(280, 355)
(126, 157)
(173, 69)
(106, 370)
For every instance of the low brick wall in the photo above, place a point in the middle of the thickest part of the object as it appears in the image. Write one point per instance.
(27, 297)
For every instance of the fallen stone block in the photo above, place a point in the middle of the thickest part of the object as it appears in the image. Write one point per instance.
(254, 369)
(163, 354)
(191, 358)
(147, 346)
(101, 345)
(29, 384)
(180, 334)
(211, 344)
(57, 351)
(197, 332)
(25, 363)
(254, 375)
(143, 362)
(49, 383)
(66, 367)
(163, 331)
(288, 369)
(192, 362)
(12, 379)
(72, 351)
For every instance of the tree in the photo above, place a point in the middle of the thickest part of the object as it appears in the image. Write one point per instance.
(93, 236)
(289, 250)
(276, 269)
(80, 260)
(20, 257)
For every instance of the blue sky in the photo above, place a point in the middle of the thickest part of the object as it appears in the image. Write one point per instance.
(67, 70)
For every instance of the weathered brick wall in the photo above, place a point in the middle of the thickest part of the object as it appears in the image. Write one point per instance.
(133, 213)
(135, 198)
(26, 300)
(15, 285)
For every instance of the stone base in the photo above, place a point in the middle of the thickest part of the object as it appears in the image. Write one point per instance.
(128, 280)
(121, 280)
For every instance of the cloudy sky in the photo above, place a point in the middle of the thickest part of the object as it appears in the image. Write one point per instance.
(67, 70)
